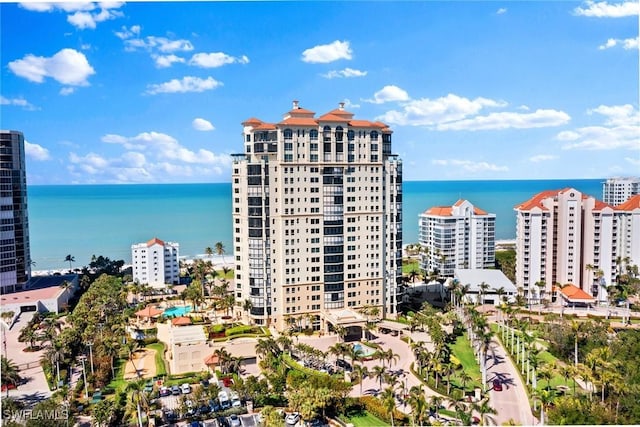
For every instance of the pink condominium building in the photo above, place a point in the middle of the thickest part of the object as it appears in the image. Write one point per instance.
(566, 237)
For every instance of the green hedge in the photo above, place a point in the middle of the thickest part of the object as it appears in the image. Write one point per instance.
(298, 367)
(376, 407)
(237, 330)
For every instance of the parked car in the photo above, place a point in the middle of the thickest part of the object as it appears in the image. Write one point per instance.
(225, 402)
(175, 390)
(185, 388)
(292, 419)
(227, 381)
(234, 420)
(497, 385)
(164, 391)
(343, 364)
(205, 382)
(170, 416)
(203, 409)
(222, 421)
(148, 387)
(214, 405)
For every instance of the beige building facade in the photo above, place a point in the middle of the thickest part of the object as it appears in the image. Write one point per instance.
(317, 217)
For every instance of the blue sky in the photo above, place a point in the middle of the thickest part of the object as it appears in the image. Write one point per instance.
(156, 92)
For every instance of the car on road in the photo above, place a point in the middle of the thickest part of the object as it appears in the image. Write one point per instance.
(234, 420)
(497, 385)
(175, 390)
(292, 419)
(185, 388)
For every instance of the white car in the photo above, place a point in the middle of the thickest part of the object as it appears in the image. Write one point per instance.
(235, 400)
(185, 388)
(292, 419)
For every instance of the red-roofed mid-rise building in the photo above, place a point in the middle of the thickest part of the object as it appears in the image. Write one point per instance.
(317, 211)
(564, 236)
(461, 236)
(155, 263)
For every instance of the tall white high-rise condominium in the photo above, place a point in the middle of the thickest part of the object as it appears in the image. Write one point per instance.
(15, 255)
(566, 237)
(461, 236)
(317, 218)
(616, 191)
(155, 263)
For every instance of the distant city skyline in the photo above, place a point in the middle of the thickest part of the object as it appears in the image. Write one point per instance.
(156, 92)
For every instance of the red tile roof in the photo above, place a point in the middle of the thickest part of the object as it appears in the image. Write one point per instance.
(181, 321)
(149, 311)
(265, 126)
(155, 241)
(332, 118)
(599, 205)
(439, 211)
(574, 293)
(301, 111)
(631, 204)
(339, 112)
(536, 201)
(299, 121)
(251, 121)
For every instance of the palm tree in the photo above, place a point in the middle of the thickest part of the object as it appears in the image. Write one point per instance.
(360, 372)
(138, 398)
(69, 258)
(389, 401)
(378, 373)
(208, 251)
(220, 250)
(484, 408)
(8, 373)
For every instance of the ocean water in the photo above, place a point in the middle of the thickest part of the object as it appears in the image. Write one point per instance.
(82, 220)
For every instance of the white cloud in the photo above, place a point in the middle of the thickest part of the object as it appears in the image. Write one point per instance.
(349, 105)
(604, 9)
(327, 52)
(149, 157)
(68, 67)
(469, 165)
(633, 160)
(153, 43)
(202, 124)
(389, 93)
(20, 102)
(506, 120)
(501, 11)
(67, 91)
(627, 44)
(542, 158)
(216, 59)
(82, 15)
(430, 112)
(127, 33)
(347, 72)
(164, 61)
(36, 152)
(620, 130)
(186, 84)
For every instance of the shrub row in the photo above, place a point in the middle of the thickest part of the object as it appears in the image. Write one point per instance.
(237, 330)
(376, 407)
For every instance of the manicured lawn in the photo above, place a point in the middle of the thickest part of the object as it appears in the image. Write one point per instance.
(365, 420)
(412, 265)
(161, 367)
(462, 350)
(119, 383)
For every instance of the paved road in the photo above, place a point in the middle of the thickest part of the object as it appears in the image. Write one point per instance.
(511, 403)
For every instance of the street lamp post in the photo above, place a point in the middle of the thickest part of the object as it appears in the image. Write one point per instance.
(90, 344)
(84, 374)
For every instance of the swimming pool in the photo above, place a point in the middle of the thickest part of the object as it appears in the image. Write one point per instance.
(178, 310)
(366, 350)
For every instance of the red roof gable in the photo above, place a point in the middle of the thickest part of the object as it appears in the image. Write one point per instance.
(299, 121)
(536, 201)
(252, 121)
(574, 293)
(332, 118)
(155, 241)
(631, 204)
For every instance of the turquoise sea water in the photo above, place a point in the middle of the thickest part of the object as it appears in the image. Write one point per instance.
(83, 220)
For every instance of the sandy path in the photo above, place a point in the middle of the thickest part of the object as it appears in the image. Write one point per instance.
(144, 361)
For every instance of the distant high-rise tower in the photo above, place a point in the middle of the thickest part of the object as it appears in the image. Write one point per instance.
(616, 191)
(317, 211)
(15, 256)
(455, 237)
